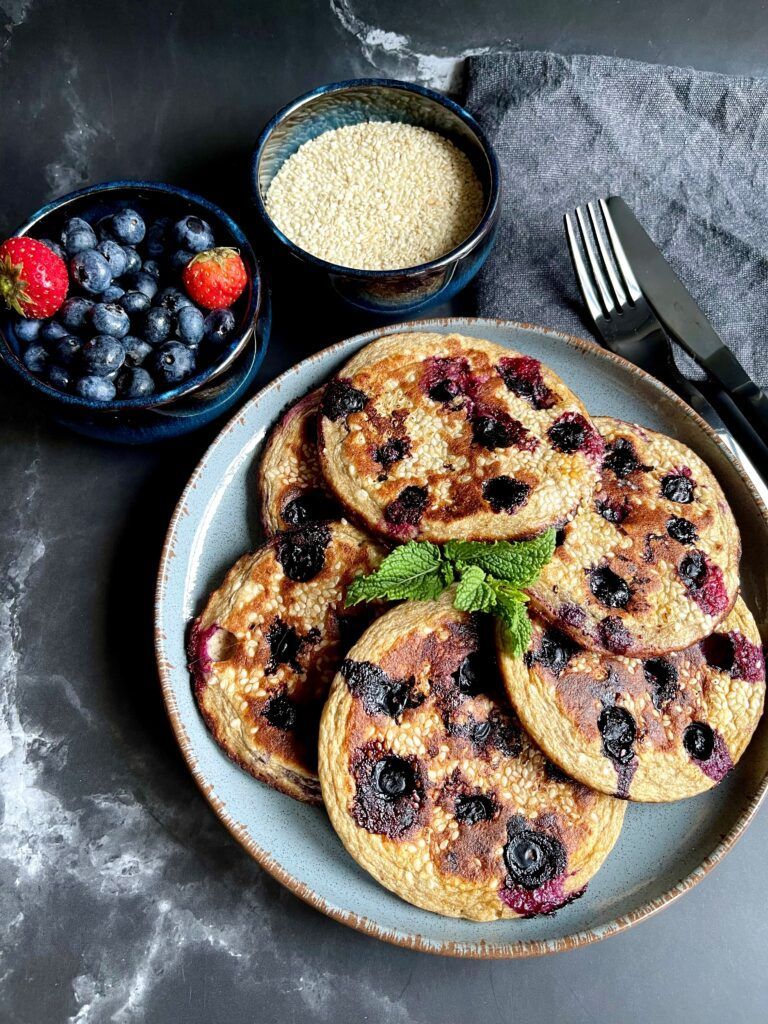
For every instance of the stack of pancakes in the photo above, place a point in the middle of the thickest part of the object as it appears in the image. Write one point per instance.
(472, 783)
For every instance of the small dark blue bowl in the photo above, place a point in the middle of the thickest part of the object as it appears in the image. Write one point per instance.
(198, 400)
(392, 292)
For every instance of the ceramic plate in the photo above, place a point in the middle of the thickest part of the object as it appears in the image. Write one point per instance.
(663, 850)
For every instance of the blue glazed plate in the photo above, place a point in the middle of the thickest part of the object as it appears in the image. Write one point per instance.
(663, 850)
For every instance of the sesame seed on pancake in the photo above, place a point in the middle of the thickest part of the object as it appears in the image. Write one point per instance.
(651, 562)
(266, 647)
(434, 788)
(657, 729)
(292, 490)
(442, 437)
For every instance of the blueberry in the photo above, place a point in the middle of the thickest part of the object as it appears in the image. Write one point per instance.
(180, 259)
(189, 324)
(555, 652)
(534, 858)
(95, 389)
(172, 363)
(661, 676)
(301, 553)
(104, 229)
(468, 676)
(66, 350)
(621, 458)
(682, 530)
(699, 741)
(567, 435)
(114, 254)
(193, 233)
(112, 294)
(505, 494)
(157, 325)
(128, 227)
(218, 325)
(54, 247)
(280, 712)
(132, 260)
(51, 331)
(58, 377)
(286, 645)
(340, 399)
(91, 271)
(77, 236)
(444, 390)
(392, 451)
(609, 588)
(380, 693)
(110, 318)
(157, 237)
(393, 777)
(136, 350)
(134, 382)
(612, 510)
(151, 267)
(35, 358)
(27, 329)
(75, 311)
(492, 432)
(677, 487)
(145, 283)
(408, 507)
(693, 570)
(618, 730)
(172, 299)
(471, 809)
(311, 507)
(134, 302)
(102, 355)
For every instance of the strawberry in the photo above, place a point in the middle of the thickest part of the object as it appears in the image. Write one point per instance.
(215, 278)
(33, 278)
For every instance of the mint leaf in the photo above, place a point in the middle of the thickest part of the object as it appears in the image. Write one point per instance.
(516, 630)
(414, 571)
(474, 593)
(519, 562)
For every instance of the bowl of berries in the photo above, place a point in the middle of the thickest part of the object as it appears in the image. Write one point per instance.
(133, 311)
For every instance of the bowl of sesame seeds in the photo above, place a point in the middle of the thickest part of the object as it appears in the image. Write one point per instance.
(389, 190)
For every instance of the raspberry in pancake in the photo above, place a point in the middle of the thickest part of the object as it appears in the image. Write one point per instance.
(433, 787)
(291, 486)
(268, 643)
(440, 437)
(651, 562)
(662, 728)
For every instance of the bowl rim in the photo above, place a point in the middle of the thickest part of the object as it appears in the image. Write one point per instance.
(480, 949)
(482, 228)
(193, 384)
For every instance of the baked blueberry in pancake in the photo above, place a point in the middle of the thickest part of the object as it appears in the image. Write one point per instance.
(291, 486)
(650, 562)
(266, 647)
(434, 788)
(439, 437)
(652, 729)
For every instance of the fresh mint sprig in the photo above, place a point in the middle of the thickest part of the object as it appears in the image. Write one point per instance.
(491, 577)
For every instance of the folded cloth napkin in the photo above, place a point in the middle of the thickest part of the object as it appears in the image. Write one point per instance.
(688, 150)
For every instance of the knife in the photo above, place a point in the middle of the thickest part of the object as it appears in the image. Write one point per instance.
(683, 320)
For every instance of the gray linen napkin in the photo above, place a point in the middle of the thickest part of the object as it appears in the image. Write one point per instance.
(687, 149)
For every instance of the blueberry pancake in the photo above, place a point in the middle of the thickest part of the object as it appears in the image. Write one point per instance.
(651, 562)
(438, 437)
(266, 648)
(291, 487)
(662, 728)
(434, 789)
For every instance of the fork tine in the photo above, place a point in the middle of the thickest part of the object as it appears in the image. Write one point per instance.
(582, 273)
(597, 271)
(618, 288)
(633, 288)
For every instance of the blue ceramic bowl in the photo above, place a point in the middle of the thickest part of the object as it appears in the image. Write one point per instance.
(199, 399)
(391, 292)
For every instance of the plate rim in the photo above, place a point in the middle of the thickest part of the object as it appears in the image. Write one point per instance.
(410, 940)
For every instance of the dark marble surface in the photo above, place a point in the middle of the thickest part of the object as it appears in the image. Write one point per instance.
(121, 897)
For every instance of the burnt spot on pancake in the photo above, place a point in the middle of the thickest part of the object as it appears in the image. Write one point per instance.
(522, 376)
(392, 451)
(389, 791)
(309, 507)
(380, 693)
(505, 494)
(280, 712)
(407, 508)
(341, 399)
(301, 553)
(286, 645)
(495, 428)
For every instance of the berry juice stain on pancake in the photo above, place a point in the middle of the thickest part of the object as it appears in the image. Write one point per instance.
(439, 437)
(436, 790)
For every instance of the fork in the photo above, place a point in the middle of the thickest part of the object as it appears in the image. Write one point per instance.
(628, 325)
